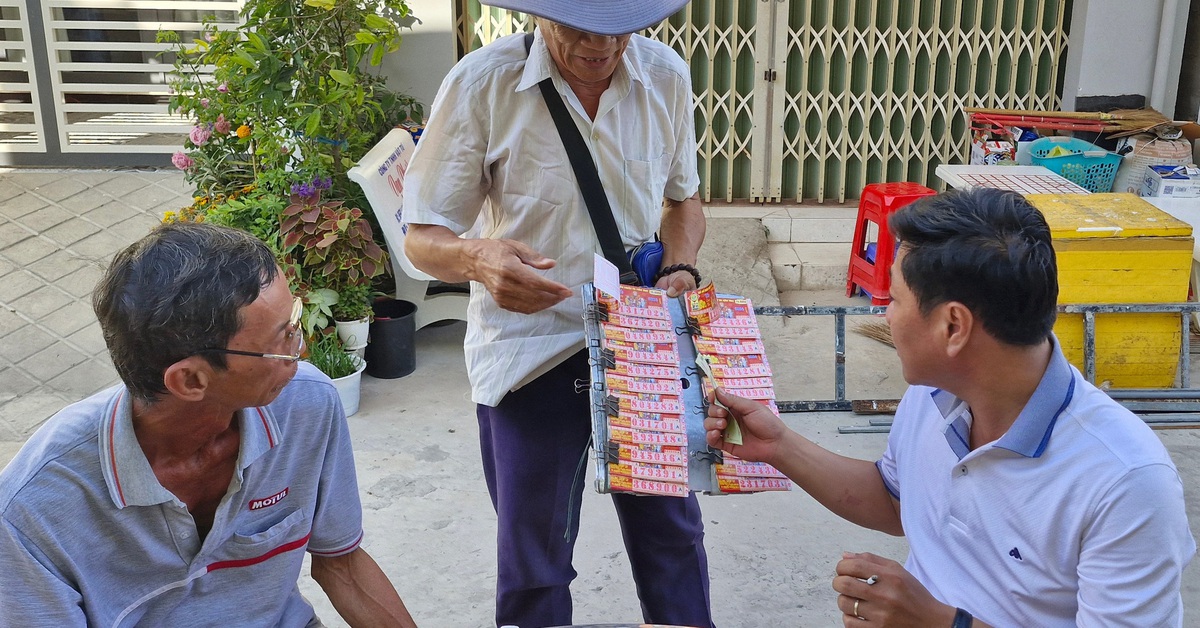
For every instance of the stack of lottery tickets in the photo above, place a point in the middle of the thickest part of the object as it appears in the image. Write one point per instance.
(647, 433)
(726, 335)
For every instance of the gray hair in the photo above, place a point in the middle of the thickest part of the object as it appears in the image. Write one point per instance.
(175, 293)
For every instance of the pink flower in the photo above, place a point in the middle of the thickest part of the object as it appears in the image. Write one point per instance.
(223, 88)
(209, 37)
(182, 161)
(221, 126)
(204, 102)
(200, 135)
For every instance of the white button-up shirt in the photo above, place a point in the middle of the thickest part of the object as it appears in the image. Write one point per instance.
(491, 157)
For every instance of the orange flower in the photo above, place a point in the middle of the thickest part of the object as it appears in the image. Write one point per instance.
(243, 131)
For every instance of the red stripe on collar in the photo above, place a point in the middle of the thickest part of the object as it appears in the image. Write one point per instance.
(112, 448)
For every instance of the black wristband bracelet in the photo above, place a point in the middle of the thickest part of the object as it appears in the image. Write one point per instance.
(674, 268)
(962, 619)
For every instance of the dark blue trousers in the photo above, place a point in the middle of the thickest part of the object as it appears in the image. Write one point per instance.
(533, 445)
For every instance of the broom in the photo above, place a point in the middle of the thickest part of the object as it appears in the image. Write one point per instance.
(1121, 121)
(876, 330)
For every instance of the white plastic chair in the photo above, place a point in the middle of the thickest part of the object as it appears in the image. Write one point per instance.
(380, 173)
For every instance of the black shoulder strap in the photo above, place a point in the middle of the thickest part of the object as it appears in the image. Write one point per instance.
(588, 179)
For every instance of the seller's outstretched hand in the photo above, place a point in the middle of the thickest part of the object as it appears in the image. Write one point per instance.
(896, 599)
(762, 431)
(507, 269)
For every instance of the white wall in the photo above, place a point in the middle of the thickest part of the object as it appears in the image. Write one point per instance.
(426, 54)
(1120, 47)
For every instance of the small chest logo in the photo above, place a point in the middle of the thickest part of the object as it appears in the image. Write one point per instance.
(1014, 552)
(255, 504)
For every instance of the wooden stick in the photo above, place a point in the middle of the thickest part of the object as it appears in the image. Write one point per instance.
(1074, 115)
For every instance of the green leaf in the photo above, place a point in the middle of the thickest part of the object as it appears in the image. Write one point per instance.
(313, 125)
(366, 37)
(321, 4)
(243, 59)
(342, 76)
(257, 41)
(376, 22)
(377, 55)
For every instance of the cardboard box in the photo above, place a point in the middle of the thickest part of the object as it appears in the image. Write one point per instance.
(1172, 181)
(992, 152)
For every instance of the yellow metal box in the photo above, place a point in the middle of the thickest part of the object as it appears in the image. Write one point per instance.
(1117, 248)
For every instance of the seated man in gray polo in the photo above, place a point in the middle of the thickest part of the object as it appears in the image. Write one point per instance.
(189, 494)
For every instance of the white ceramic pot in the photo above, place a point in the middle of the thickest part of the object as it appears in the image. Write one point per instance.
(349, 387)
(353, 333)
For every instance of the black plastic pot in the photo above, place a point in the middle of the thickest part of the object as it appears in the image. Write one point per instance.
(392, 351)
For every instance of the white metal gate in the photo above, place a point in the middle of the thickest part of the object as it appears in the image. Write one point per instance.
(97, 80)
(812, 99)
(20, 120)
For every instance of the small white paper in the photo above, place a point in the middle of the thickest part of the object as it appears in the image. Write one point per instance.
(606, 277)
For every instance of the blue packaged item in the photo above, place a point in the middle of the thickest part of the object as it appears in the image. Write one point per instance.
(646, 259)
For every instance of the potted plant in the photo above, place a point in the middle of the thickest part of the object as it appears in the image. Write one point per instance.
(327, 353)
(284, 104)
(352, 314)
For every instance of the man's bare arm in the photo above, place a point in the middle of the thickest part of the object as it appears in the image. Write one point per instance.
(360, 591)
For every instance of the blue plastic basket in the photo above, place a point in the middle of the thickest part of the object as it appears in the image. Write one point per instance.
(1089, 166)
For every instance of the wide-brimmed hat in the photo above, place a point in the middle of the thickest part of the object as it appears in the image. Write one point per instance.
(603, 17)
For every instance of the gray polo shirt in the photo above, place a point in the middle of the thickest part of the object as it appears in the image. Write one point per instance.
(88, 535)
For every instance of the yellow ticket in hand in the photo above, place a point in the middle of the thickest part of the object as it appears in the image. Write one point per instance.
(733, 433)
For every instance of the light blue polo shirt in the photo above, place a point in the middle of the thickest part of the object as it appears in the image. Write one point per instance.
(88, 535)
(1074, 517)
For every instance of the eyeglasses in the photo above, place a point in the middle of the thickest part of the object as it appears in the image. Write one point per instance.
(295, 339)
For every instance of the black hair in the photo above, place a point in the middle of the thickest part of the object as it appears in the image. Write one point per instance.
(174, 293)
(987, 249)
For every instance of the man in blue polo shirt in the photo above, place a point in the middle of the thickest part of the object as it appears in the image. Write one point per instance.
(1028, 496)
(189, 494)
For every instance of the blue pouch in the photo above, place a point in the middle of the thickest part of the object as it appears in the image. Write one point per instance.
(646, 259)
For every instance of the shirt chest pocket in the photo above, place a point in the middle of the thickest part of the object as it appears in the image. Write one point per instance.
(641, 201)
(262, 536)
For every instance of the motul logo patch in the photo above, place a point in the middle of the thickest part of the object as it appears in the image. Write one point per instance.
(255, 504)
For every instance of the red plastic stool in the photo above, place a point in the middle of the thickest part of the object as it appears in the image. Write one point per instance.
(877, 202)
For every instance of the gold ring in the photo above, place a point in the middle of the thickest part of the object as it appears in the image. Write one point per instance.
(856, 601)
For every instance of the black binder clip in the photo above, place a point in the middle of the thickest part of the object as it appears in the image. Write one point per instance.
(597, 312)
(612, 452)
(692, 326)
(608, 359)
(612, 405)
(710, 455)
(582, 385)
(692, 370)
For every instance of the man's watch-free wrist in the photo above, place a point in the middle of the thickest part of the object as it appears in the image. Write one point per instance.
(962, 619)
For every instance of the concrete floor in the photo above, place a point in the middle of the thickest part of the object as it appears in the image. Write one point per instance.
(428, 519)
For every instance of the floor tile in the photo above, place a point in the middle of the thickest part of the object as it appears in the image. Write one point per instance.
(41, 302)
(68, 319)
(29, 341)
(85, 202)
(45, 218)
(57, 265)
(15, 382)
(21, 204)
(60, 188)
(25, 413)
(51, 361)
(12, 233)
(16, 284)
(91, 340)
(85, 378)
(81, 282)
(71, 231)
(30, 250)
(111, 213)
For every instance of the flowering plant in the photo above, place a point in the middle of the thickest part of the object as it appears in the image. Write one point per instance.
(289, 90)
